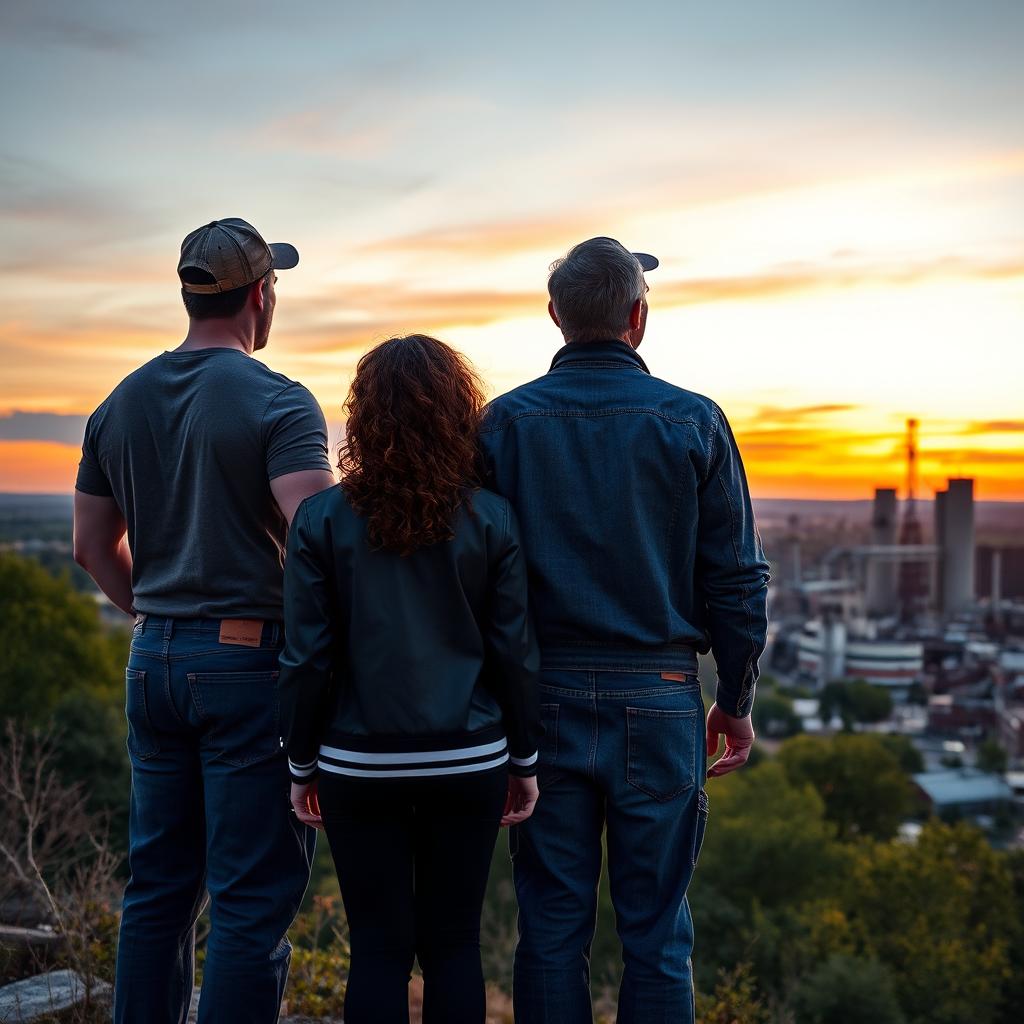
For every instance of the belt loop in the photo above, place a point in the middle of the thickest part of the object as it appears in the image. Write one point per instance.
(168, 628)
(275, 633)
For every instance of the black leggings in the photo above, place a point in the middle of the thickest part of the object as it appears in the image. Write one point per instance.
(412, 857)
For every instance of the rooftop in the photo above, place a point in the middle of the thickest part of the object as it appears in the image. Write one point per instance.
(962, 786)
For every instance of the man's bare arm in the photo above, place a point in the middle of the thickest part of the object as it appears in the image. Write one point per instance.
(290, 490)
(101, 547)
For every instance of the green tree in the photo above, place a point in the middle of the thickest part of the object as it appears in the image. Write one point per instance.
(855, 701)
(939, 914)
(774, 716)
(863, 787)
(767, 850)
(1013, 990)
(63, 667)
(847, 990)
(991, 757)
(91, 750)
(905, 752)
(53, 643)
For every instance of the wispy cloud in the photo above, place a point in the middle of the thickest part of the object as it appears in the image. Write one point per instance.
(356, 314)
(974, 456)
(60, 226)
(793, 414)
(34, 190)
(697, 291)
(555, 233)
(60, 24)
(994, 427)
(42, 426)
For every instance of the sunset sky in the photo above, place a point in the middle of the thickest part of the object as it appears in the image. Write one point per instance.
(835, 191)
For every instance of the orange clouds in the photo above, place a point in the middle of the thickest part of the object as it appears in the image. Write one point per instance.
(821, 462)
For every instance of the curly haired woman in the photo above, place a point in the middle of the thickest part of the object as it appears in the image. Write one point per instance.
(409, 680)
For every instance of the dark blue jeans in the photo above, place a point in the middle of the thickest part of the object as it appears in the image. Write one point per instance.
(209, 813)
(623, 752)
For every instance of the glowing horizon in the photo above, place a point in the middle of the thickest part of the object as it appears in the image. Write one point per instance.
(835, 259)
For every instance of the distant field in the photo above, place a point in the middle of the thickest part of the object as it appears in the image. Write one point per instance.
(35, 517)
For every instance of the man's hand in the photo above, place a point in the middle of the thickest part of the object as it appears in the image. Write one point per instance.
(521, 799)
(306, 804)
(739, 738)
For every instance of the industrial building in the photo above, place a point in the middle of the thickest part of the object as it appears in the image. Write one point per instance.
(886, 607)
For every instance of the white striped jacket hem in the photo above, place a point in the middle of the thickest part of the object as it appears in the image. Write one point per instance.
(397, 764)
(406, 773)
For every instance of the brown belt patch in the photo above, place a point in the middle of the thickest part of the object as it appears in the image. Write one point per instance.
(244, 632)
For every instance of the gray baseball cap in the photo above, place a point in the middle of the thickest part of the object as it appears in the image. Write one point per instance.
(646, 260)
(233, 252)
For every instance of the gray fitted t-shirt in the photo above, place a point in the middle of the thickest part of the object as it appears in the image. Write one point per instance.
(187, 446)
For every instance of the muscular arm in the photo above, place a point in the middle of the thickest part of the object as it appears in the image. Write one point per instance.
(101, 547)
(291, 489)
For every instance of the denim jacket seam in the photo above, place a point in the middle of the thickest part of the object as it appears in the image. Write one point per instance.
(743, 688)
(712, 438)
(586, 414)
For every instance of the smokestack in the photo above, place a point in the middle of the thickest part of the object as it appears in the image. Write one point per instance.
(956, 543)
(996, 598)
(881, 596)
(833, 646)
(913, 586)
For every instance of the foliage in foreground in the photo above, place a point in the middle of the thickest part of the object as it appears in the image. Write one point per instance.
(62, 669)
(59, 868)
(807, 910)
(830, 918)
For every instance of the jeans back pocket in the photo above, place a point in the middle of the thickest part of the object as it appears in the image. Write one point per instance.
(661, 750)
(240, 715)
(143, 741)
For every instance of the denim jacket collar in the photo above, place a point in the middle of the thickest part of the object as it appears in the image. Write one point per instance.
(598, 353)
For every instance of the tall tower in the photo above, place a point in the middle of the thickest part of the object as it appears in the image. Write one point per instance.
(881, 594)
(954, 534)
(913, 584)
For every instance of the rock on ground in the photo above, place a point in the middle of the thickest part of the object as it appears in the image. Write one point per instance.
(32, 998)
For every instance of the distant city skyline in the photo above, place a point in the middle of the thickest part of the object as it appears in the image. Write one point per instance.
(836, 193)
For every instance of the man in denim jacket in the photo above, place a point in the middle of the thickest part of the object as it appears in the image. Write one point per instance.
(642, 553)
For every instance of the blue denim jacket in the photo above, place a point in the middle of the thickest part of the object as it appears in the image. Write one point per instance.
(636, 520)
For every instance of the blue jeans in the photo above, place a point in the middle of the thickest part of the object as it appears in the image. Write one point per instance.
(209, 813)
(623, 751)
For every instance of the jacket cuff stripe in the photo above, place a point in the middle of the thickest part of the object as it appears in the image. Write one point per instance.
(524, 762)
(301, 771)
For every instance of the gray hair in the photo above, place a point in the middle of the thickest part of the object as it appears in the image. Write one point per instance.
(593, 288)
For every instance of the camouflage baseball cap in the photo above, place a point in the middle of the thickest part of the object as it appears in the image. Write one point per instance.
(233, 253)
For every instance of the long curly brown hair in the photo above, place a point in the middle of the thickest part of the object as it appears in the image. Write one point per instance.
(409, 459)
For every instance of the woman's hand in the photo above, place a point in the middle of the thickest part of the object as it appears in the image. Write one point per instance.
(306, 805)
(521, 799)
